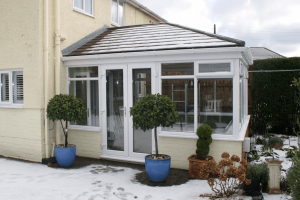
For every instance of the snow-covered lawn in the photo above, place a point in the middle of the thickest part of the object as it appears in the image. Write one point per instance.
(20, 180)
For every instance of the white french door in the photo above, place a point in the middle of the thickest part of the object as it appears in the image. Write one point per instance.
(122, 86)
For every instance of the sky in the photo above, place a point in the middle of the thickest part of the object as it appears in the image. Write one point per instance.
(274, 24)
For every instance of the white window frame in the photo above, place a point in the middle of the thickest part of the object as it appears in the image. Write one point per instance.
(81, 127)
(234, 67)
(214, 74)
(10, 103)
(118, 23)
(83, 10)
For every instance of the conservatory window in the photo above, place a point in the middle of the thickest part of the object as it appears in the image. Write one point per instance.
(181, 91)
(214, 67)
(215, 104)
(11, 90)
(84, 6)
(83, 83)
(177, 69)
(117, 12)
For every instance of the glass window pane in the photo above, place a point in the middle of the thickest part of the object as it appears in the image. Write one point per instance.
(182, 93)
(215, 104)
(175, 69)
(83, 72)
(89, 6)
(121, 13)
(88, 91)
(5, 87)
(216, 67)
(115, 109)
(78, 4)
(17, 83)
(114, 11)
(141, 86)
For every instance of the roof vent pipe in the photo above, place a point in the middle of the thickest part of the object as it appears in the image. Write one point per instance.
(215, 31)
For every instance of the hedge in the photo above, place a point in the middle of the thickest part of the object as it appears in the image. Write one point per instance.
(272, 94)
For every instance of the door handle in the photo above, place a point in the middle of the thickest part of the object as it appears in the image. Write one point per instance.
(88, 112)
(124, 110)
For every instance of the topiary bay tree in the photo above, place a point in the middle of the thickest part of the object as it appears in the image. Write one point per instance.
(152, 111)
(66, 107)
(204, 133)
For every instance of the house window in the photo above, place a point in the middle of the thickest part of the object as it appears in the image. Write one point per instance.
(117, 13)
(84, 6)
(11, 90)
(175, 69)
(83, 83)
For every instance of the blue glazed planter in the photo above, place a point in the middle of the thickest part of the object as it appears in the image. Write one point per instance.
(65, 156)
(157, 170)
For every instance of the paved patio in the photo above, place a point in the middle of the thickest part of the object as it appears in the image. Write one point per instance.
(175, 177)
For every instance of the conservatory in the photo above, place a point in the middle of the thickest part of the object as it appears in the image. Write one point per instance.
(203, 73)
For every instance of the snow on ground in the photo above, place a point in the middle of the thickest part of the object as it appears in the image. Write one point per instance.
(31, 181)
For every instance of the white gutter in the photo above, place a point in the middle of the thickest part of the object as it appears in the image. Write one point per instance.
(46, 58)
(159, 52)
(57, 60)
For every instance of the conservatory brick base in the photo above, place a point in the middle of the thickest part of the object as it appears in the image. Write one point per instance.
(181, 148)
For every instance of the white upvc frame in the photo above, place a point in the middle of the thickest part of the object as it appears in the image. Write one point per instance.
(233, 74)
(105, 151)
(81, 127)
(10, 103)
(83, 10)
(177, 77)
(118, 23)
(154, 78)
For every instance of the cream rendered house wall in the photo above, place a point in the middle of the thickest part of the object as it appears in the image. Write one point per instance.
(181, 148)
(21, 129)
(134, 16)
(22, 45)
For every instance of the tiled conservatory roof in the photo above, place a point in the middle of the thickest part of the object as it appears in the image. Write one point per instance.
(149, 37)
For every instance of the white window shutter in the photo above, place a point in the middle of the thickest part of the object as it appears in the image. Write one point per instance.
(4, 87)
(18, 91)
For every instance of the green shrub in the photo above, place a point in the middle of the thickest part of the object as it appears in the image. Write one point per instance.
(211, 123)
(65, 107)
(274, 140)
(259, 172)
(204, 133)
(293, 177)
(285, 185)
(152, 111)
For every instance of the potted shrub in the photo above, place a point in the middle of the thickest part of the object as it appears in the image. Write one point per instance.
(150, 112)
(197, 160)
(204, 133)
(65, 108)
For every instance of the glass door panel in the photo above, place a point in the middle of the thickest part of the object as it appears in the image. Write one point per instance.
(141, 86)
(115, 110)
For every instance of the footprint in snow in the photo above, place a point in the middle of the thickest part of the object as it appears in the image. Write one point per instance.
(148, 197)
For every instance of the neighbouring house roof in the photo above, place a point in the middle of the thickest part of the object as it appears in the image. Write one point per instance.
(260, 53)
(150, 37)
(145, 10)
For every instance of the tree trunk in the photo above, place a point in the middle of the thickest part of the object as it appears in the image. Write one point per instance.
(155, 136)
(66, 135)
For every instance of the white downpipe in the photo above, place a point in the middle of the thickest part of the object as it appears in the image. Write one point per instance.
(57, 60)
(46, 59)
